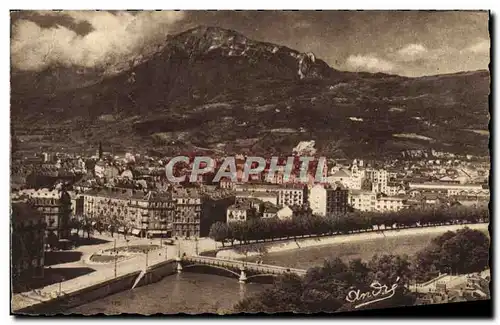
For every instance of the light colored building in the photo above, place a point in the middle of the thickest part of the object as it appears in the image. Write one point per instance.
(450, 189)
(143, 213)
(328, 201)
(390, 203)
(289, 194)
(104, 170)
(341, 176)
(394, 189)
(55, 206)
(284, 213)
(362, 200)
(188, 213)
(239, 212)
(379, 179)
(270, 197)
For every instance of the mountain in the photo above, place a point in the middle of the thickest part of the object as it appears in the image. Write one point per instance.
(214, 88)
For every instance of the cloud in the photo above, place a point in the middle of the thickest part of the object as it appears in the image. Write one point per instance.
(411, 52)
(369, 63)
(115, 39)
(480, 47)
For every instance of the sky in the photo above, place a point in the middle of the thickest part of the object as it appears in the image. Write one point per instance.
(409, 43)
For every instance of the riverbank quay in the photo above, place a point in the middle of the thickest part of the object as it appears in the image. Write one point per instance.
(36, 303)
(260, 248)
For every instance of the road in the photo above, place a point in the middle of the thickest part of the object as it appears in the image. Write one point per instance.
(106, 271)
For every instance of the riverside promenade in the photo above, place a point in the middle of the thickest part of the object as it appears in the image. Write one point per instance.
(313, 241)
(138, 262)
(106, 271)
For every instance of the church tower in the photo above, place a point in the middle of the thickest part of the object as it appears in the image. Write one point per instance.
(100, 150)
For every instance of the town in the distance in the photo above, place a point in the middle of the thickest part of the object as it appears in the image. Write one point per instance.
(73, 202)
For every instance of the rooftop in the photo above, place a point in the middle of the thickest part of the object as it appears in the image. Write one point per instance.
(128, 194)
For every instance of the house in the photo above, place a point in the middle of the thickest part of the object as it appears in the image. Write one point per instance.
(241, 211)
(269, 210)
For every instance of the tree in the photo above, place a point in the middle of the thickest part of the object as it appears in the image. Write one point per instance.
(219, 232)
(75, 223)
(464, 251)
(87, 225)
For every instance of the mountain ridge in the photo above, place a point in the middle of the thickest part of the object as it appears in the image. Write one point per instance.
(212, 87)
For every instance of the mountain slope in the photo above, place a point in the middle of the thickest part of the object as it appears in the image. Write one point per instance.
(215, 88)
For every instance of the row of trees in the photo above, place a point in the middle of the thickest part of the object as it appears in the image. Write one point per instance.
(262, 229)
(325, 288)
(88, 225)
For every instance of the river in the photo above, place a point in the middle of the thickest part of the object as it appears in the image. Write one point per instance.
(187, 292)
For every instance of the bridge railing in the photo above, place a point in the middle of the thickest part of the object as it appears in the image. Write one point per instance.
(234, 263)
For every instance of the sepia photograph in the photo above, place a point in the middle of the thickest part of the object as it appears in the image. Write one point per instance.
(226, 162)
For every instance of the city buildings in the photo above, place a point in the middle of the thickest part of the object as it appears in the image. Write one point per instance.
(55, 207)
(328, 201)
(188, 212)
(363, 200)
(378, 178)
(270, 197)
(448, 189)
(241, 211)
(292, 194)
(142, 213)
(389, 203)
(288, 194)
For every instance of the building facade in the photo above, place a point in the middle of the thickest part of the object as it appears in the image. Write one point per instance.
(240, 212)
(141, 213)
(328, 201)
(390, 203)
(379, 179)
(188, 213)
(363, 200)
(28, 242)
(55, 206)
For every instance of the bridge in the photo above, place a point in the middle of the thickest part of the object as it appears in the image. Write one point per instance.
(243, 270)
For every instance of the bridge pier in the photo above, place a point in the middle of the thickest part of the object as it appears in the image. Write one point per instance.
(243, 275)
(179, 264)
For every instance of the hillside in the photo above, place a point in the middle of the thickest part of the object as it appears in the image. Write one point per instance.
(215, 88)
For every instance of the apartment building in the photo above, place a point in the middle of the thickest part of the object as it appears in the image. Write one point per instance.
(241, 211)
(188, 213)
(389, 203)
(379, 179)
(289, 194)
(363, 200)
(328, 201)
(143, 213)
(55, 206)
(28, 243)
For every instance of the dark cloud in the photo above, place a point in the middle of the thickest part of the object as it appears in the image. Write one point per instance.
(404, 42)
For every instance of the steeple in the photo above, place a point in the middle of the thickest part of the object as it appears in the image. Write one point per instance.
(100, 150)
